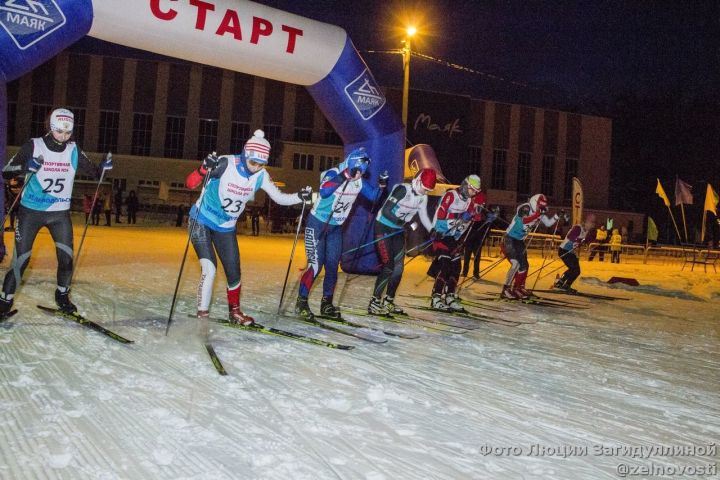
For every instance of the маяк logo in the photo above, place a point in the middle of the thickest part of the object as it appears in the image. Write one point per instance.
(365, 95)
(28, 21)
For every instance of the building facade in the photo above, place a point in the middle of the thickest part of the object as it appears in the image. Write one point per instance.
(160, 116)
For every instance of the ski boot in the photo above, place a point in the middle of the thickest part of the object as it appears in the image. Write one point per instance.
(389, 303)
(235, 315)
(302, 308)
(5, 306)
(327, 309)
(239, 318)
(62, 299)
(508, 293)
(522, 293)
(519, 290)
(453, 303)
(376, 307)
(437, 303)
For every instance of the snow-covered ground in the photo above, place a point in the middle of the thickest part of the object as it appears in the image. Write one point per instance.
(479, 404)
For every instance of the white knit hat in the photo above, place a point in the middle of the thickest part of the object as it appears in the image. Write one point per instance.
(257, 148)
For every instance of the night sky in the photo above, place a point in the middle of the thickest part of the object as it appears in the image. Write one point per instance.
(583, 51)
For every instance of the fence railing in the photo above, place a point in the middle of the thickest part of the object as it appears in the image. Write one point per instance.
(629, 253)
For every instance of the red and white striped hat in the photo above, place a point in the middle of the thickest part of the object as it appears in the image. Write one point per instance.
(257, 148)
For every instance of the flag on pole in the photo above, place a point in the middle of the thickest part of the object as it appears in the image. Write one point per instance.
(711, 200)
(652, 231)
(661, 192)
(164, 191)
(682, 193)
(577, 201)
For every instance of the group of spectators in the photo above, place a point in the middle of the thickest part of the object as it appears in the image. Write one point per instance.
(104, 204)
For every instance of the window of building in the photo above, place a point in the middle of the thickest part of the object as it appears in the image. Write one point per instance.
(119, 184)
(273, 134)
(499, 170)
(142, 134)
(108, 131)
(111, 83)
(303, 161)
(327, 162)
(207, 136)
(548, 175)
(149, 183)
(332, 138)
(11, 122)
(76, 92)
(242, 97)
(524, 172)
(146, 74)
(174, 137)
(79, 125)
(302, 135)
(239, 134)
(39, 119)
(474, 159)
(177, 103)
(274, 102)
(571, 170)
(304, 108)
(43, 80)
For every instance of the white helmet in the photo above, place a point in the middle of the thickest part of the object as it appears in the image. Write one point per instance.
(62, 119)
(538, 202)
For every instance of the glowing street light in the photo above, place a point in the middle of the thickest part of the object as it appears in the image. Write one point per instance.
(409, 32)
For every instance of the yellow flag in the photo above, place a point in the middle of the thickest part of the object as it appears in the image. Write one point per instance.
(661, 192)
(711, 200)
(652, 231)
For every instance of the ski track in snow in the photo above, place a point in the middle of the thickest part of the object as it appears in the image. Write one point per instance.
(77, 405)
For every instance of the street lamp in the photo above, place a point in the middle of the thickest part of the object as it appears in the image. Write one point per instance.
(409, 32)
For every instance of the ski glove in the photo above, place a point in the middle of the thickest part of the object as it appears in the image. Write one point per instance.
(210, 162)
(107, 164)
(305, 194)
(466, 216)
(383, 179)
(491, 217)
(35, 163)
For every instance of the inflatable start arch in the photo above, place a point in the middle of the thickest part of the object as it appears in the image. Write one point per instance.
(232, 34)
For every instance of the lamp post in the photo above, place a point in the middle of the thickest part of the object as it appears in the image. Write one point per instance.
(409, 32)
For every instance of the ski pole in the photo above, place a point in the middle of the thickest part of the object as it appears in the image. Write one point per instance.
(19, 195)
(92, 207)
(557, 223)
(373, 242)
(482, 273)
(423, 246)
(292, 254)
(555, 270)
(191, 228)
(551, 262)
